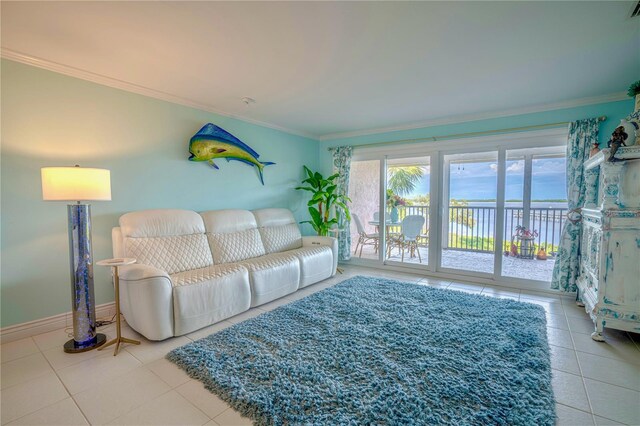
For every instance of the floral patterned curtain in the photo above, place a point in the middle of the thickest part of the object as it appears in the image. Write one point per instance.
(342, 165)
(582, 134)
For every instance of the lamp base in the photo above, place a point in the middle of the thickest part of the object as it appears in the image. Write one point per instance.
(72, 347)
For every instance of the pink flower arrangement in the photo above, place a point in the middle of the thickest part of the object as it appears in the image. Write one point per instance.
(394, 200)
(525, 234)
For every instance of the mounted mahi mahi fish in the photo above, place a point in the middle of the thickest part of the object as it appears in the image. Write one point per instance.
(214, 142)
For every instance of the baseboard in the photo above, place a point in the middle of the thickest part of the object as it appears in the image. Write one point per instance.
(44, 325)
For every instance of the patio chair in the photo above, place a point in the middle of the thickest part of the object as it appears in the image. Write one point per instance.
(423, 239)
(364, 239)
(408, 238)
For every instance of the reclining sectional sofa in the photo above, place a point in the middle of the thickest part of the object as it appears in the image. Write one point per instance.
(195, 269)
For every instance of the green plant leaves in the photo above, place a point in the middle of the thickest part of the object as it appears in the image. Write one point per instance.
(325, 204)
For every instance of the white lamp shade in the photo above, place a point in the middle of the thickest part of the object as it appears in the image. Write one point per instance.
(75, 184)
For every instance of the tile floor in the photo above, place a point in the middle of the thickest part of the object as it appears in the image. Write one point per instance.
(469, 260)
(594, 383)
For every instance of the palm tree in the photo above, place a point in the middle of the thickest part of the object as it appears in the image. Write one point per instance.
(402, 180)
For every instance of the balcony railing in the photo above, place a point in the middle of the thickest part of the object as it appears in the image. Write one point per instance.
(472, 228)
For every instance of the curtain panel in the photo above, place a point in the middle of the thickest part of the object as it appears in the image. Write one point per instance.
(582, 135)
(342, 164)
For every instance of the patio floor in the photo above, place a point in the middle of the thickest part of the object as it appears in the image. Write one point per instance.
(531, 269)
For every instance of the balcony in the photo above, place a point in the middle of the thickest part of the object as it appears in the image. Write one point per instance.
(469, 244)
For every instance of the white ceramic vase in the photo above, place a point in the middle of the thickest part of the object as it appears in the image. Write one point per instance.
(630, 129)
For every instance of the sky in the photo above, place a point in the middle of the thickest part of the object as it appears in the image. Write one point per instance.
(475, 181)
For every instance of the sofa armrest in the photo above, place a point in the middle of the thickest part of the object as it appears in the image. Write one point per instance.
(316, 240)
(139, 271)
(146, 300)
(116, 242)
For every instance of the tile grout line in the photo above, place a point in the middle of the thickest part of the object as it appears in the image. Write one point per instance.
(190, 403)
(637, 344)
(603, 356)
(230, 408)
(595, 380)
(135, 408)
(65, 388)
(592, 415)
(584, 383)
(23, 356)
(574, 408)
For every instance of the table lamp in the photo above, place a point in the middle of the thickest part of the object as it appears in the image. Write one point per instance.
(79, 184)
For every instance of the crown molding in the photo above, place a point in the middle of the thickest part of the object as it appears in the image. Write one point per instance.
(152, 93)
(135, 88)
(613, 97)
(554, 136)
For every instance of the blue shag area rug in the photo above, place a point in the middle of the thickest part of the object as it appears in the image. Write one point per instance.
(379, 351)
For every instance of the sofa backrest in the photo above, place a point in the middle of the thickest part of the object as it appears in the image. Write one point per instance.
(233, 235)
(278, 229)
(172, 240)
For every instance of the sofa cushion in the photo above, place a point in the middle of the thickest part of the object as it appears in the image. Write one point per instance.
(278, 229)
(161, 223)
(171, 240)
(233, 235)
(195, 276)
(207, 295)
(228, 221)
(316, 264)
(273, 217)
(272, 276)
(277, 239)
(171, 254)
(236, 246)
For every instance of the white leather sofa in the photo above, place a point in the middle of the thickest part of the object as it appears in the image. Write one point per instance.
(195, 269)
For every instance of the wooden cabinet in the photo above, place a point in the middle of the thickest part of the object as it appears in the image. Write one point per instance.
(609, 280)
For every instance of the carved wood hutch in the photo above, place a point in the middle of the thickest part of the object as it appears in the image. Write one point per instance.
(609, 280)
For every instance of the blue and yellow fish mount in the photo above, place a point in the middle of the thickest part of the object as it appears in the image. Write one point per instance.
(214, 142)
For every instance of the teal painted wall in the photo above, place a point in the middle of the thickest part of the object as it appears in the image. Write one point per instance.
(52, 120)
(49, 119)
(614, 111)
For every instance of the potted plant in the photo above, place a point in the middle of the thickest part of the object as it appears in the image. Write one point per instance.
(325, 204)
(393, 202)
(525, 239)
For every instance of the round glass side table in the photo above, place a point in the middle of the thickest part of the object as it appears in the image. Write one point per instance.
(114, 263)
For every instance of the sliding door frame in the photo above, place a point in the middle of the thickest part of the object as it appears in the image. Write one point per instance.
(444, 208)
(433, 210)
(382, 209)
(436, 151)
(498, 238)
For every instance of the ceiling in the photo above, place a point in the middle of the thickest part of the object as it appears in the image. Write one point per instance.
(325, 68)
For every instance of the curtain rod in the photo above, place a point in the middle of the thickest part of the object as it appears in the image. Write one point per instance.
(470, 134)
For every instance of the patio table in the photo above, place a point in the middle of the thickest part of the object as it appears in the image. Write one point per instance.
(388, 224)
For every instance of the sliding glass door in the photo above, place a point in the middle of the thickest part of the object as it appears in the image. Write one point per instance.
(534, 212)
(469, 212)
(407, 207)
(364, 191)
(453, 210)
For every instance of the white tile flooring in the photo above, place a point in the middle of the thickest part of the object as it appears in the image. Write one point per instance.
(594, 383)
(475, 261)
